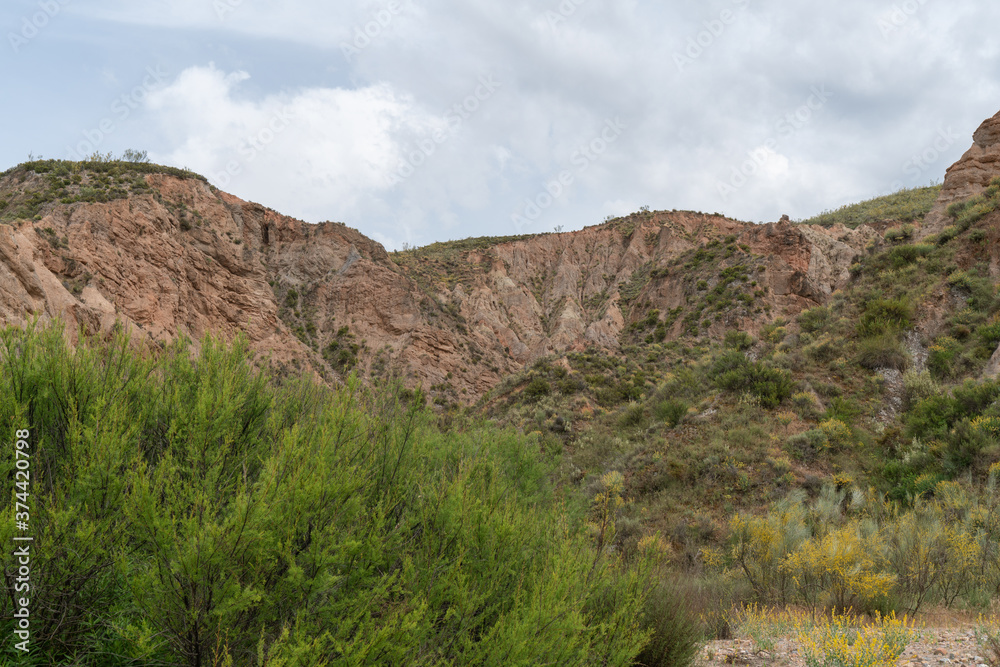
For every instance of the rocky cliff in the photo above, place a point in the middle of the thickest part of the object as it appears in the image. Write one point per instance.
(167, 254)
(970, 175)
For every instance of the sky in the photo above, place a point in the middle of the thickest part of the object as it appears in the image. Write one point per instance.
(417, 121)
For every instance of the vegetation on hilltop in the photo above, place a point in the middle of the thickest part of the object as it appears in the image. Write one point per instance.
(34, 187)
(907, 205)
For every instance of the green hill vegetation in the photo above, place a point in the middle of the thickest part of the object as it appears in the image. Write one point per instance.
(830, 412)
(32, 188)
(907, 205)
(187, 509)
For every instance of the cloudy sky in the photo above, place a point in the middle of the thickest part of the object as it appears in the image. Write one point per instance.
(424, 120)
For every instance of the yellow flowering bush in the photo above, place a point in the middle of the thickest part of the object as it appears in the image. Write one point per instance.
(843, 565)
(986, 424)
(844, 640)
(851, 548)
(837, 433)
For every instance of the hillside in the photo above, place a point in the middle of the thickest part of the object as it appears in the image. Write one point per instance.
(169, 255)
(707, 412)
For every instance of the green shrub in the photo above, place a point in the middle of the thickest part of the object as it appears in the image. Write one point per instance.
(975, 397)
(189, 510)
(814, 319)
(931, 416)
(918, 386)
(738, 340)
(941, 356)
(979, 288)
(670, 411)
(537, 388)
(734, 372)
(989, 337)
(907, 254)
(634, 415)
(825, 349)
(885, 316)
(882, 352)
(947, 234)
(806, 446)
(676, 636)
(899, 233)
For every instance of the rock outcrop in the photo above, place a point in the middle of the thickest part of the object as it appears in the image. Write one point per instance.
(970, 175)
(184, 259)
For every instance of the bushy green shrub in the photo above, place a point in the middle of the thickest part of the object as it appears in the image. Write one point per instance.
(734, 372)
(806, 446)
(989, 337)
(883, 316)
(882, 352)
(907, 254)
(537, 388)
(670, 411)
(632, 416)
(676, 636)
(932, 416)
(978, 287)
(814, 319)
(917, 386)
(738, 340)
(189, 510)
(897, 234)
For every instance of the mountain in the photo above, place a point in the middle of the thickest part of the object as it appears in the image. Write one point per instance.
(167, 254)
(709, 411)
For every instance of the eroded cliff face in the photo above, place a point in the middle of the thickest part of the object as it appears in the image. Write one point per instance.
(970, 175)
(183, 258)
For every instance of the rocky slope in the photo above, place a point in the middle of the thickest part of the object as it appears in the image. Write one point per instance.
(167, 254)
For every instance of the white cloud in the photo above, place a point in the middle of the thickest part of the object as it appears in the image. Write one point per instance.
(314, 153)
(559, 80)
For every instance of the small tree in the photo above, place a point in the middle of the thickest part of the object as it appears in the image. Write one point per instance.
(132, 155)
